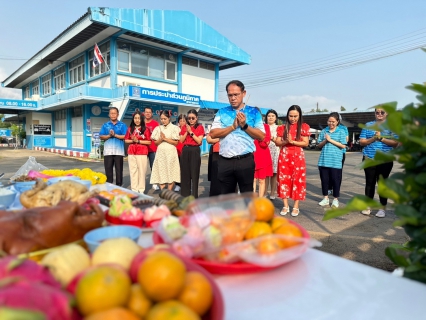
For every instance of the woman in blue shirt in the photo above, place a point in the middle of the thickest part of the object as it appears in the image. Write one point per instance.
(373, 141)
(332, 140)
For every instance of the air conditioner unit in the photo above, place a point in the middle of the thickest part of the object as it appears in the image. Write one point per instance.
(127, 83)
(35, 97)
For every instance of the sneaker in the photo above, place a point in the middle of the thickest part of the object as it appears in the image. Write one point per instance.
(330, 192)
(295, 212)
(324, 202)
(177, 188)
(335, 203)
(155, 187)
(381, 213)
(366, 212)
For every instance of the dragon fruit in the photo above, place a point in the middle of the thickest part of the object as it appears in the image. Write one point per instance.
(55, 304)
(25, 269)
(119, 204)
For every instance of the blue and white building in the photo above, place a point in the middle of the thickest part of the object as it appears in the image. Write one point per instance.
(159, 58)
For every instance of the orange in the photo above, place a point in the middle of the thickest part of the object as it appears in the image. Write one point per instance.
(138, 301)
(197, 293)
(102, 288)
(171, 310)
(289, 230)
(113, 314)
(269, 245)
(262, 208)
(278, 222)
(162, 276)
(258, 229)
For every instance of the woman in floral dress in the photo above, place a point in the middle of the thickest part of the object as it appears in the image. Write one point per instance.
(166, 169)
(293, 137)
(271, 119)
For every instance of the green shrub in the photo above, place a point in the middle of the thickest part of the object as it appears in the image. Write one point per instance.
(407, 189)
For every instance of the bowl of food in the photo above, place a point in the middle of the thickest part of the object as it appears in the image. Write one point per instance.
(7, 197)
(22, 186)
(57, 179)
(94, 238)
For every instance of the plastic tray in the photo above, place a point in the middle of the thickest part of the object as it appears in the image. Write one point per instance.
(233, 268)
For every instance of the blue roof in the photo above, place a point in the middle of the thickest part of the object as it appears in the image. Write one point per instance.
(178, 27)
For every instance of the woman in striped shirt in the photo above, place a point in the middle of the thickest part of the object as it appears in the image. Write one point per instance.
(332, 140)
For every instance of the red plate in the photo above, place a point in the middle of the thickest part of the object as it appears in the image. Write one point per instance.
(230, 268)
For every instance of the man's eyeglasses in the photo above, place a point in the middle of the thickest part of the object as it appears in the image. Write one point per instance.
(192, 118)
(380, 113)
(233, 95)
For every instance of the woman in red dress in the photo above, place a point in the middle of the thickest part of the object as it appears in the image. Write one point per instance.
(293, 137)
(262, 161)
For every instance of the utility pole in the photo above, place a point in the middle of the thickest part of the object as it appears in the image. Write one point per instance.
(317, 107)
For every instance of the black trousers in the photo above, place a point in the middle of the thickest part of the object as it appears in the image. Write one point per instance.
(331, 176)
(213, 171)
(330, 187)
(109, 163)
(236, 171)
(190, 163)
(372, 175)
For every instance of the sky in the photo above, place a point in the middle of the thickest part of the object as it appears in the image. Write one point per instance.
(278, 34)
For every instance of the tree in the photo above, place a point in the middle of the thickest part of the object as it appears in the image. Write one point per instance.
(342, 108)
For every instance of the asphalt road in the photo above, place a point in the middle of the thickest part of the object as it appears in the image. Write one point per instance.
(355, 236)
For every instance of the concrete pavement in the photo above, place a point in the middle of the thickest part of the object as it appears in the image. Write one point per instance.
(355, 236)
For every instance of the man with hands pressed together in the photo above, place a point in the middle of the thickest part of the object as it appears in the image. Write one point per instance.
(113, 132)
(237, 126)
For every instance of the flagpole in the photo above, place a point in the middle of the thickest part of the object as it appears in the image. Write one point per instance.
(96, 45)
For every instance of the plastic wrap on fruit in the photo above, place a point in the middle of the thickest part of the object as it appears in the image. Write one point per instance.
(202, 220)
(212, 236)
(156, 213)
(170, 228)
(120, 204)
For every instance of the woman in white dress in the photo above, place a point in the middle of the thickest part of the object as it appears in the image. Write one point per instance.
(271, 119)
(166, 169)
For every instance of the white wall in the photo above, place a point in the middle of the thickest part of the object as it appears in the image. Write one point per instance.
(197, 81)
(104, 82)
(60, 142)
(147, 83)
(44, 118)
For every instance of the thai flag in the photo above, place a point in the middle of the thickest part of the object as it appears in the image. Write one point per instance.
(97, 56)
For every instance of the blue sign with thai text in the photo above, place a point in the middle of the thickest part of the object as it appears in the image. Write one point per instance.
(163, 96)
(42, 141)
(18, 103)
(5, 132)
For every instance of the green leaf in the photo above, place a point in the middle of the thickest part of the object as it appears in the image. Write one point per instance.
(421, 178)
(394, 121)
(389, 107)
(391, 189)
(357, 203)
(417, 88)
(420, 141)
(397, 176)
(396, 258)
(384, 156)
(399, 247)
(367, 163)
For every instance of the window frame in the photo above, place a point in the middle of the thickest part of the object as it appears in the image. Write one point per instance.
(46, 84)
(60, 122)
(59, 78)
(101, 68)
(77, 70)
(35, 84)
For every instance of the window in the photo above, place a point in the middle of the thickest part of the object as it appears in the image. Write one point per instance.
(77, 112)
(101, 68)
(207, 65)
(60, 122)
(36, 87)
(46, 84)
(190, 61)
(59, 78)
(146, 61)
(27, 93)
(76, 72)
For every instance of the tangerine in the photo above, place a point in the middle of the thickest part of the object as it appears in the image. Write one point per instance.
(102, 288)
(269, 245)
(257, 229)
(262, 208)
(278, 222)
(113, 314)
(171, 310)
(289, 230)
(162, 276)
(197, 293)
(138, 301)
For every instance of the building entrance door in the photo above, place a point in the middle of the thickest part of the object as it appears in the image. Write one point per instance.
(77, 127)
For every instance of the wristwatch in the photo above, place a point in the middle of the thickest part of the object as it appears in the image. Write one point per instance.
(191, 134)
(245, 127)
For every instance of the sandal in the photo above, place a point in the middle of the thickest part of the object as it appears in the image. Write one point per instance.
(295, 212)
(284, 211)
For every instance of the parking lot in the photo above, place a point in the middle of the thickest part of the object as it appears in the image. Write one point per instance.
(354, 236)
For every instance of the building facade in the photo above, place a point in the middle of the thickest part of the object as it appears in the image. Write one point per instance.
(158, 58)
